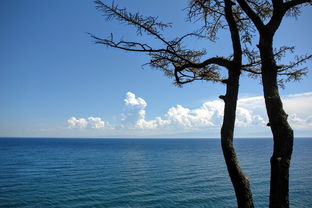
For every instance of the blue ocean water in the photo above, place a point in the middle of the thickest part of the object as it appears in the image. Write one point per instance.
(147, 173)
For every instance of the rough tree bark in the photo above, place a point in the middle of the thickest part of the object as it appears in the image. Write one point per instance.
(239, 180)
(282, 132)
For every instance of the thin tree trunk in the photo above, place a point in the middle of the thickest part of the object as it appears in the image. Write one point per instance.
(282, 132)
(239, 180)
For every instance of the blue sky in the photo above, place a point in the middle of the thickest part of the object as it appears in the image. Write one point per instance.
(55, 82)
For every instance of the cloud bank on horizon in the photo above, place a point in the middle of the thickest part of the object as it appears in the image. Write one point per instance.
(250, 117)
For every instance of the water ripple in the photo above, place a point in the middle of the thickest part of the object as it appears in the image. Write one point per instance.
(139, 173)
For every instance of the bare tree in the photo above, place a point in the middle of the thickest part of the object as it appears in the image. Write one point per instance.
(267, 17)
(187, 65)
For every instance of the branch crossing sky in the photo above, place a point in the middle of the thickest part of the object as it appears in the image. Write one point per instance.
(55, 82)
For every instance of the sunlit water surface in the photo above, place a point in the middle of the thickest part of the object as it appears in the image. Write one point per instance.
(147, 173)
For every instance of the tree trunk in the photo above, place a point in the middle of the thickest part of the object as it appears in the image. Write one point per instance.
(239, 181)
(281, 130)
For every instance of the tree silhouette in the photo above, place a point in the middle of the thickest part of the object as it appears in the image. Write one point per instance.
(267, 17)
(187, 65)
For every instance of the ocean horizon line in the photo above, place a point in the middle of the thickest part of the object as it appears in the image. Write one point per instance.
(147, 138)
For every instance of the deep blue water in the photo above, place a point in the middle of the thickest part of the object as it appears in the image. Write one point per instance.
(147, 173)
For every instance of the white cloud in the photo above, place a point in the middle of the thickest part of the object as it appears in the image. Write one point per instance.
(297, 106)
(134, 113)
(143, 124)
(209, 114)
(299, 109)
(305, 94)
(82, 123)
(77, 123)
(206, 115)
(300, 122)
(246, 117)
(132, 101)
(96, 122)
(250, 116)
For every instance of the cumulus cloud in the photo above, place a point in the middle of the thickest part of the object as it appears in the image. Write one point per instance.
(301, 123)
(206, 115)
(299, 109)
(250, 115)
(134, 112)
(209, 114)
(77, 123)
(82, 123)
(250, 112)
(246, 117)
(96, 122)
(133, 101)
(297, 106)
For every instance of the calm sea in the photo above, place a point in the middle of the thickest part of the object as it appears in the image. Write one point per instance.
(147, 173)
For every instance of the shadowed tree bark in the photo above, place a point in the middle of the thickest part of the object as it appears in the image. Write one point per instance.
(282, 132)
(239, 180)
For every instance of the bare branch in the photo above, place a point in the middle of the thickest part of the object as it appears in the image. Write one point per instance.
(211, 12)
(299, 60)
(151, 25)
(126, 45)
(251, 14)
(186, 65)
(290, 4)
